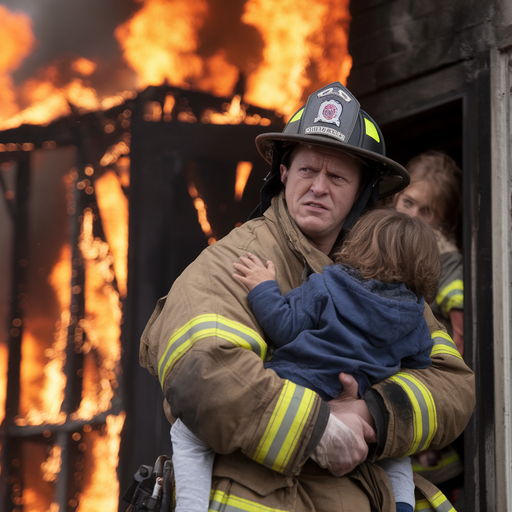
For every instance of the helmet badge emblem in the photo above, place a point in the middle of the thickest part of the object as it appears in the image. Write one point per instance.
(329, 112)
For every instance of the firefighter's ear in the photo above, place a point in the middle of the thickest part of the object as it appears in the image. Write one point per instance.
(284, 174)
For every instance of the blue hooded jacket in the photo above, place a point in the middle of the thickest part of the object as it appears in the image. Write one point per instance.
(339, 322)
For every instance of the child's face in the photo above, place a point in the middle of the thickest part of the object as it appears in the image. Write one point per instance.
(417, 201)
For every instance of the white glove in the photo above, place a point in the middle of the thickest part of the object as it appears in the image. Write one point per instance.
(343, 445)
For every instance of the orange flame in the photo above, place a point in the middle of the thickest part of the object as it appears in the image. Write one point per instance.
(202, 217)
(84, 66)
(113, 207)
(51, 466)
(305, 47)
(102, 490)
(101, 324)
(17, 42)
(3, 379)
(42, 389)
(243, 170)
(293, 41)
(160, 41)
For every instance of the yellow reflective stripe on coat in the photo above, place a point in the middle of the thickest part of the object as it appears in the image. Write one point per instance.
(285, 426)
(220, 501)
(208, 326)
(443, 344)
(423, 408)
(439, 502)
(451, 297)
(444, 462)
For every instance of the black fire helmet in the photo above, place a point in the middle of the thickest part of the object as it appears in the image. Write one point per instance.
(332, 118)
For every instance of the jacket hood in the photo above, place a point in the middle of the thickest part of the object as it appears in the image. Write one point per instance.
(392, 304)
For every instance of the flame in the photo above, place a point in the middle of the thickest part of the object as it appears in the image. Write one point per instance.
(101, 324)
(36, 494)
(200, 206)
(113, 207)
(3, 379)
(294, 40)
(160, 41)
(47, 96)
(47, 101)
(305, 46)
(102, 490)
(84, 66)
(42, 385)
(243, 170)
(17, 42)
(219, 76)
(51, 466)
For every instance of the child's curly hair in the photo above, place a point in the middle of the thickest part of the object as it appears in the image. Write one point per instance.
(393, 248)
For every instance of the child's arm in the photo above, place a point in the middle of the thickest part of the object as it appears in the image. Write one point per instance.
(250, 271)
(282, 318)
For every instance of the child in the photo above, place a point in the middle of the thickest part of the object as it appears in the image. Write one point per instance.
(363, 316)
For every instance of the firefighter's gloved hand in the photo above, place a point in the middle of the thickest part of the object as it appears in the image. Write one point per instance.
(349, 429)
(349, 402)
(343, 445)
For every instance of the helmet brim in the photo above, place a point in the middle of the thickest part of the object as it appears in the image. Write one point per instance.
(394, 177)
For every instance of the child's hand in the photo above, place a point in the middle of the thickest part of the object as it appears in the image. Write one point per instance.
(250, 271)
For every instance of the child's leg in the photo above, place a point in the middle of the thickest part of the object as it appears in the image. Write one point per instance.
(192, 460)
(399, 472)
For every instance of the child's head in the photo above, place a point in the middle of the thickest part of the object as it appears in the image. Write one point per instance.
(434, 193)
(393, 247)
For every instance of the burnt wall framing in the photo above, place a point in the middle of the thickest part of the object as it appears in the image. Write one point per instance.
(466, 84)
(87, 136)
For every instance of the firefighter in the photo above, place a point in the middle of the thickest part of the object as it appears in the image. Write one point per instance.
(279, 446)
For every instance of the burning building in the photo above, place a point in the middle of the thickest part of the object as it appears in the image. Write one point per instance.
(107, 197)
(118, 164)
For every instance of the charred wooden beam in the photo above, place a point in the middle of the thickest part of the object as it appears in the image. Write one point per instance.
(18, 301)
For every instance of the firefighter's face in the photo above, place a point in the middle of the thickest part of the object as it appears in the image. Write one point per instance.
(321, 186)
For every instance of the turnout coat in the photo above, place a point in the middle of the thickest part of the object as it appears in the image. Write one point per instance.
(206, 348)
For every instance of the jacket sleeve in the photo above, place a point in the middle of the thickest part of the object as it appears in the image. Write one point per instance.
(450, 294)
(208, 351)
(283, 318)
(417, 409)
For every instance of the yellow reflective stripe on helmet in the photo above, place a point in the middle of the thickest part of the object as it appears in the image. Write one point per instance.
(219, 500)
(285, 426)
(206, 326)
(443, 344)
(423, 408)
(297, 116)
(370, 129)
(451, 297)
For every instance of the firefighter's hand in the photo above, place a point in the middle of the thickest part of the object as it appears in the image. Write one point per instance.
(350, 428)
(250, 271)
(349, 402)
(343, 445)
